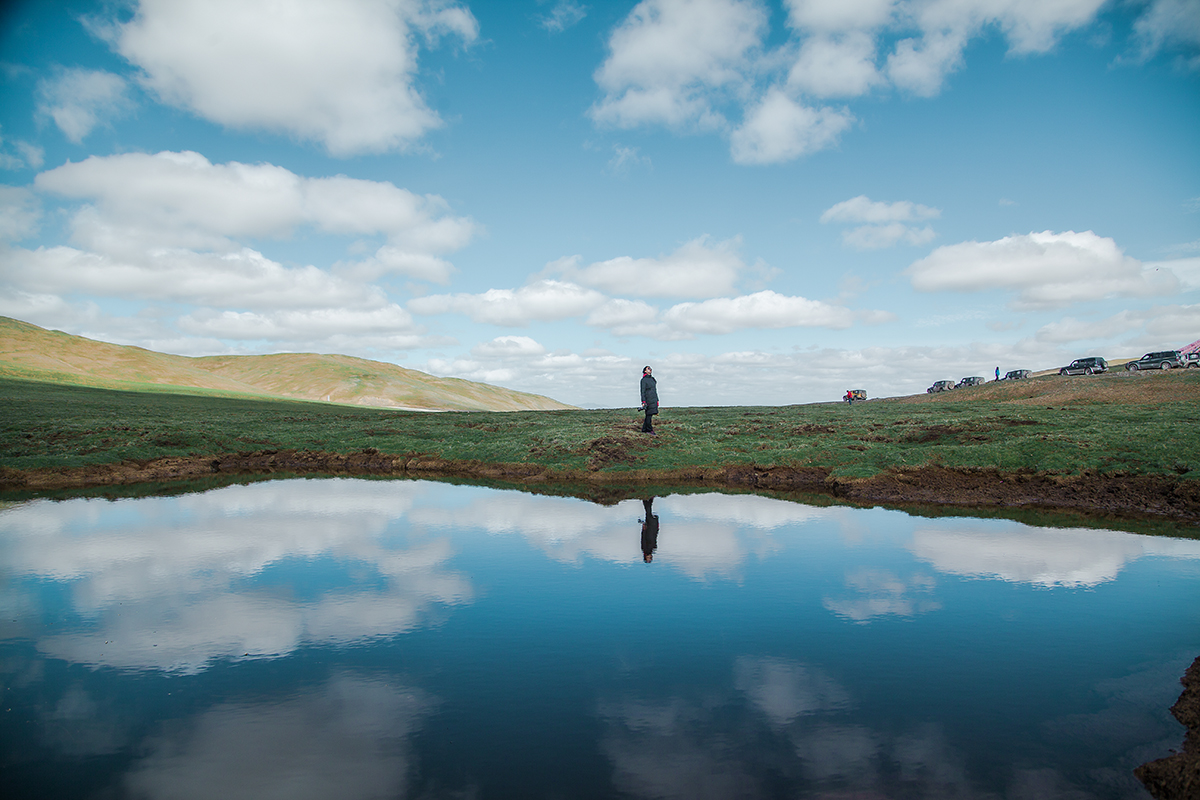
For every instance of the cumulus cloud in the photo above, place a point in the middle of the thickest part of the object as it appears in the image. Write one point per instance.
(835, 66)
(20, 213)
(241, 279)
(864, 209)
(699, 268)
(183, 200)
(694, 64)
(78, 100)
(1170, 25)
(766, 309)
(338, 73)
(565, 14)
(1047, 270)
(667, 57)
(541, 300)
(19, 154)
(887, 223)
(171, 226)
(779, 128)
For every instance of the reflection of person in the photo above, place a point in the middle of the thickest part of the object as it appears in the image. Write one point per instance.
(649, 399)
(649, 532)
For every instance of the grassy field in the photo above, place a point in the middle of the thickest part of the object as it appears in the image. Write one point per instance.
(1118, 424)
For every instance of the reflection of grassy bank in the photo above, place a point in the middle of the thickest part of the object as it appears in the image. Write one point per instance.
(958, 444)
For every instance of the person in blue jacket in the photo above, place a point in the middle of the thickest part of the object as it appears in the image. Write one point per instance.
(649, 399)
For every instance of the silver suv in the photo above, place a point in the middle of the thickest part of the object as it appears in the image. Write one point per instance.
(1164, 359)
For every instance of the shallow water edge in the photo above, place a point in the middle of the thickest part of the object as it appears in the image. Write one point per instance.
(1150, 504)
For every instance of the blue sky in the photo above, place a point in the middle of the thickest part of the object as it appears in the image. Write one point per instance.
(769, 202)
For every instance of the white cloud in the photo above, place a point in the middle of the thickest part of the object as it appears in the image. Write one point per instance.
(169, 227)
(1069, 329)
(668, 57)
(508, 347)
(1170, 25)
(766, 309)
(565, 14)
(1186, 269)
(875, 237)
(20, 213)
(697, 269)
(780, 129)
(241, 279)
(78, 100)
(26, 155)
(864, 209)
(340, 73)
(838, 15)
(886, 226)
(626, 158)
(389, 321)
(183, 200)
(835, 66)
(1046, 269)
(880, 593)
(541, 301)
(697, 63)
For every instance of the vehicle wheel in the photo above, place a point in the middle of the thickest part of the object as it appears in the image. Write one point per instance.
(1131, 367)
(1165, 365)
(1062, 372)
(1087, 371)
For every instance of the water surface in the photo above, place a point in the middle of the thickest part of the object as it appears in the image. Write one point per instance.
(362, 639)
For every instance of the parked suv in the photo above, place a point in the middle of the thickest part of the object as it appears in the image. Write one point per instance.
(1164, 359)
(1085, 366)
(973, 381)
(1016, 375)
(941, 386)
(1192, 359)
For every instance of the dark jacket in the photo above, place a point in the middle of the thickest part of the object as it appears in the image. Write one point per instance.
(650, 394)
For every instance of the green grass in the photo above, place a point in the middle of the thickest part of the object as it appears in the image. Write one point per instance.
(45, 425)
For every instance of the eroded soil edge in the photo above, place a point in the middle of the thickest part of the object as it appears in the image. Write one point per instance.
(1177, 777)
(1147, 496)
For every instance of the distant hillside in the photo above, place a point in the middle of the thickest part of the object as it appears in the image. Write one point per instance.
(27, 351)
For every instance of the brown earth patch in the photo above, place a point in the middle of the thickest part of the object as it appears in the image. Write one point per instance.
(1162, 497)
(1177, 777)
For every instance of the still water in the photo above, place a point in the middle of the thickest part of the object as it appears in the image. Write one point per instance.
(384, 639)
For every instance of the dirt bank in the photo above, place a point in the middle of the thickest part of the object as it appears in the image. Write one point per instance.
(1161, 497)
(1177, 777)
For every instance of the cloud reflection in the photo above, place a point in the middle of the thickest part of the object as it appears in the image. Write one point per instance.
(702, 535)
(174, 583)
(881, 593)
(785, 723)
(349, 739)
(1041, 556)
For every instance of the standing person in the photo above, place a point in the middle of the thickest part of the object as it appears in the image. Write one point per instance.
(649, 399)
(997, 373)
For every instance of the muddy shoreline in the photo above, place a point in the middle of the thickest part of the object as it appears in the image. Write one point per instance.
(1158, 497)
(1177, 777)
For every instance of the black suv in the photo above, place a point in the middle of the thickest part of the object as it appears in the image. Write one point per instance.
(1016, 375)
(1085, 366)
(941, 386)
(1163, 359)
(973, 381)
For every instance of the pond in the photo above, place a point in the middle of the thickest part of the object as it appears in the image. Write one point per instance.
(370, 638)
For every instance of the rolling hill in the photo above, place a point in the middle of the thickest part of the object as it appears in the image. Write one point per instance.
(33, 353)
